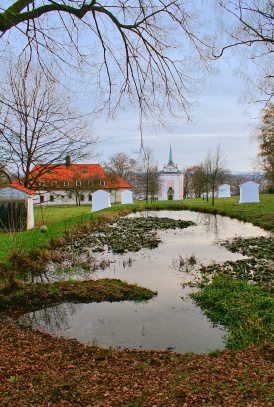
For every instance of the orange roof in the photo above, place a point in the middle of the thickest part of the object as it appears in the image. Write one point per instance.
(77, 172)
(16, 185)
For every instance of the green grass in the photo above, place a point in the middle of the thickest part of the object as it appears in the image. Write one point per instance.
(52, 214)
(245, 310)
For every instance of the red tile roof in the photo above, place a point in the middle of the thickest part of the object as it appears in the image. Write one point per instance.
(16, 185)
(75, 172)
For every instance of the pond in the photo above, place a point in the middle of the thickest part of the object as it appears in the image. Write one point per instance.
(169, 321)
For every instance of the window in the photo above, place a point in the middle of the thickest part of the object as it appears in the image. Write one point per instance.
(78, 183)
(42, 198)
(70, 196)
(102, 183)
(82, 197)
(42, 183)
(90, 197)
(90, 183)
(53, 183)
(51, 198)
(66, 183)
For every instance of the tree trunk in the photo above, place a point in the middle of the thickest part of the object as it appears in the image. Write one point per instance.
(12, 282)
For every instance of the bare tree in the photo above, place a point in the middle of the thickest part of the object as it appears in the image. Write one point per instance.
(149, 176)
(194, 181)
(76, 185)
(215, 172)
(265, 136)
(249, 25)
(38, 125)
(122, 165)
(142, 50)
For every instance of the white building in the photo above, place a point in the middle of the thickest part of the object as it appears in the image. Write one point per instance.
(16, 192)
(224, 191)
(171, 181)
(68, 184)
(126, 197)
(100, 200)
(249, 192)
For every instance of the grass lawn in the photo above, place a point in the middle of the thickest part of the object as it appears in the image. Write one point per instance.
(51, 214)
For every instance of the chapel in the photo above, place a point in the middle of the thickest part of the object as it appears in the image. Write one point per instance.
(171, 181)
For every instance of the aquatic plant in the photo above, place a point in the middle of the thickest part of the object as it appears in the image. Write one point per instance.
(252, 271)
(240, 294)
(261, 247)
(127, 234)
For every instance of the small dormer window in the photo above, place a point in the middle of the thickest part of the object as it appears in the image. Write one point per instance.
(42, 183)
(102, 183)
(66, 183)
(53, 183)
(78, 183)
(90, 183)
(85, 171)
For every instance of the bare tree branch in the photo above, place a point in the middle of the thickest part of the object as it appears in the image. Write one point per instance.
(249, 25)
(139, 51)
(38, 125)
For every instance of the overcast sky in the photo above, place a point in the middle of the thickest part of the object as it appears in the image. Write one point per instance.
(219, 119)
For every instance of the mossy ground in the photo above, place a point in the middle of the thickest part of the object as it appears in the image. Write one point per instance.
(33, 296)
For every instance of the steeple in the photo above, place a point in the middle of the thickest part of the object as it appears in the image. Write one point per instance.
(170, 159)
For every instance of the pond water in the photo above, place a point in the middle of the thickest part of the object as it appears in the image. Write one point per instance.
(169, 321)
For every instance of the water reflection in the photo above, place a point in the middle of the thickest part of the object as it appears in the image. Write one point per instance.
(53, 319)
(212, 224)
(171, 320)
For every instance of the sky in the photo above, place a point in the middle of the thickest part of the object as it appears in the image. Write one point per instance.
(219, 119)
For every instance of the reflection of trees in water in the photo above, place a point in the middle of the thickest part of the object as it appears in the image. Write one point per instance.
(213, 224)
(51, 319)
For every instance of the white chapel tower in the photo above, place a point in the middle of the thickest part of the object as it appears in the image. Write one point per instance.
(171, 181)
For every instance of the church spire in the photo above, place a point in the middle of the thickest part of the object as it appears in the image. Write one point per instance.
(170, 159)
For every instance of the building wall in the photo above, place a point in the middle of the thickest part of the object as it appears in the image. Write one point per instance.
(175, 181)
(249, 192)
(62, 197)
(13, 194)
(30, 212)
(8, 193)
(224, 191)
